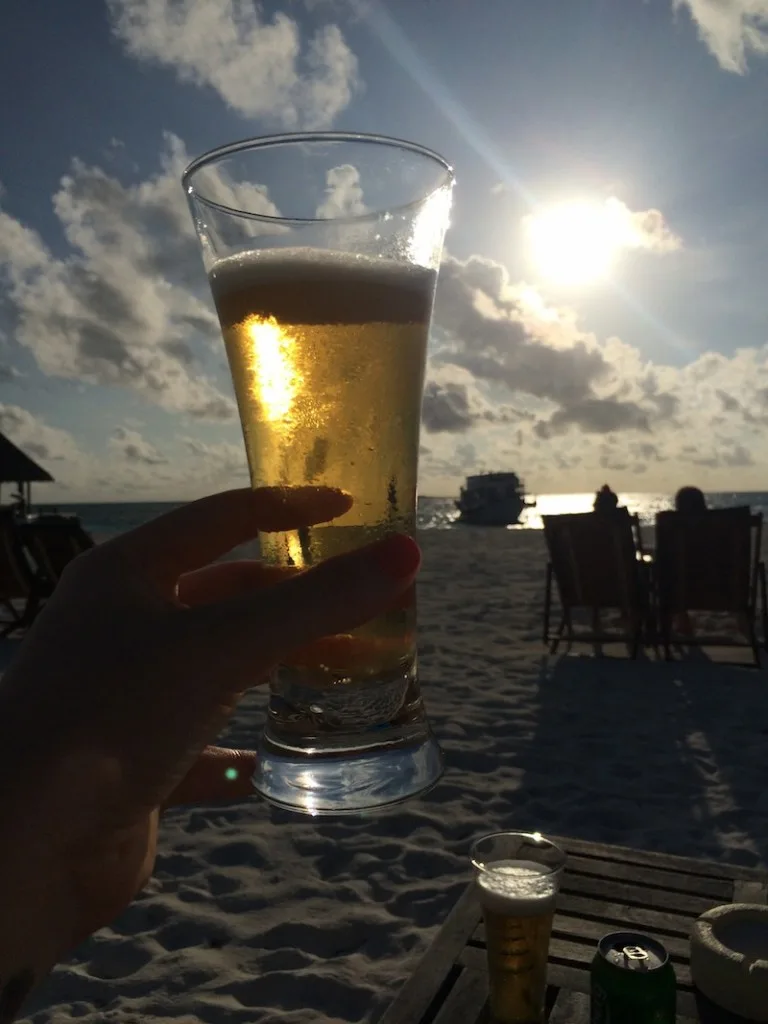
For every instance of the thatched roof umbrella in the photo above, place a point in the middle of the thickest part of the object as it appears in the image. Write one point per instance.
(17, 468)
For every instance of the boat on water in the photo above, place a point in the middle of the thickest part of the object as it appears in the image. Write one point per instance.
(492, 499)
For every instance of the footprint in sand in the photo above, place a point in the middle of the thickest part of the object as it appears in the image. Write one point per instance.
(190, 932)
(287, 991)
(428, 863)
(284, 960)
(331, 939)
(426, 905)
(222, 885)
(141, 917)
(119, 959)
(177, 865)
(243, 853)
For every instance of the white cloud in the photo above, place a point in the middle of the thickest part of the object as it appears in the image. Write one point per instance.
(344, 194)
(524, 387)
(641, 229)
(733, 30)
(488, 330)
(36, 438)
(124, 305)
(217, 458)
(185, 467)
(258, 66)
(453, 402)
(131, 446)
(21, 245)
(131, 464)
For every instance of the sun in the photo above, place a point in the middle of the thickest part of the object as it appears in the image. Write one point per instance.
(575, 243)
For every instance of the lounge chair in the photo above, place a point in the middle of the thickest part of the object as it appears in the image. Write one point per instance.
(19, 585)
(709, 562)
(53, 542)
(596, 564)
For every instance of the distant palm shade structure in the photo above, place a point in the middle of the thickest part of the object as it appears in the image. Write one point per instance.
(17, 468)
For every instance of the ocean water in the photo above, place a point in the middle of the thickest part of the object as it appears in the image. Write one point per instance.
(107, 520)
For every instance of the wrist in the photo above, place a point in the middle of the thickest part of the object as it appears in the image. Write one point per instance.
(31, 937)
(37, 906)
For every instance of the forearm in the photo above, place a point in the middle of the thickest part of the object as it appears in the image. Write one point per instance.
(37, 908)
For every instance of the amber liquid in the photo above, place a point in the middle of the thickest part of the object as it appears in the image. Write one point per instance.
(518, 900)
(327, 355)
(517, 966)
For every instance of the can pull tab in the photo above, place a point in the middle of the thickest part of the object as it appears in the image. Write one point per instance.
(638, 955)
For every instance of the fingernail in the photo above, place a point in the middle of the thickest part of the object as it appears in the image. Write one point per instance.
(397, 556)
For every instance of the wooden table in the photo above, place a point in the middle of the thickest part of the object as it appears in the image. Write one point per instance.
(604, 889)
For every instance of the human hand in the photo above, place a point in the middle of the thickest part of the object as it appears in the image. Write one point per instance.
(132, 668)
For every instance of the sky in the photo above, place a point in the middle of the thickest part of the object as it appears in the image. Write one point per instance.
(600, 310)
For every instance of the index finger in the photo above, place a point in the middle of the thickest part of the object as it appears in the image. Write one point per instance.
(203, 530)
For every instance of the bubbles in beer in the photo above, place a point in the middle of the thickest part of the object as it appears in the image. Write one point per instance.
(327, 352)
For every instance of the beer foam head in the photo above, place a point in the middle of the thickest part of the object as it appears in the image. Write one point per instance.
(240, 270)
(320, 286)
(519, 888)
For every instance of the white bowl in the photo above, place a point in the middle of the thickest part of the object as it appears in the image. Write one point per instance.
(729, 958)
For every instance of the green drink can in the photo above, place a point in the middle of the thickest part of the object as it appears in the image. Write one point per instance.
(632, 981)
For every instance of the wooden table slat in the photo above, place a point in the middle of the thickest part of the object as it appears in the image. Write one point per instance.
(466, 999)
(424, 984)
(568, 927)
(580, 955)
(617, 916)
(473, 957)
(625, 892)
(663, 861)
(570, 1008)
(593, 931)
(675, 881)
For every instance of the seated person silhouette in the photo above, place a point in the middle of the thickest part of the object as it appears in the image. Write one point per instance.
(690, 501)
(606, 501)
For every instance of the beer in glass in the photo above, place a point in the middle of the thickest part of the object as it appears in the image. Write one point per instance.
(517, 877)
(325, 314)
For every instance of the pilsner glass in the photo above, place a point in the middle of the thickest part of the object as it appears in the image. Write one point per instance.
(322, 253)
(517, 875)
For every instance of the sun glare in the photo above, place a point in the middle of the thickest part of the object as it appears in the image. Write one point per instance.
(272, 364)
(575, 243)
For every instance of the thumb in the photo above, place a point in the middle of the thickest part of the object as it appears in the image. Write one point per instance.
(248, 633)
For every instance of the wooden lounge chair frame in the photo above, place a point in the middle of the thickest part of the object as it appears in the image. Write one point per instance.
(53, 543)
(710, 562)
(596, 560)
(18, 581)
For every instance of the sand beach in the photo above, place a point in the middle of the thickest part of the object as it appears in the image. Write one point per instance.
(257, 915)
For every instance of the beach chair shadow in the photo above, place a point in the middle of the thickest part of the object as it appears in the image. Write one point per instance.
(52, 542)
(21, 589)
(595, 562)
(709, 563)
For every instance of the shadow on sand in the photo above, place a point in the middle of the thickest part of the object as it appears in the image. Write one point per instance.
(667, 755)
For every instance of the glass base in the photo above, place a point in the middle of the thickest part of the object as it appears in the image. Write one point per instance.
(346, 785)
